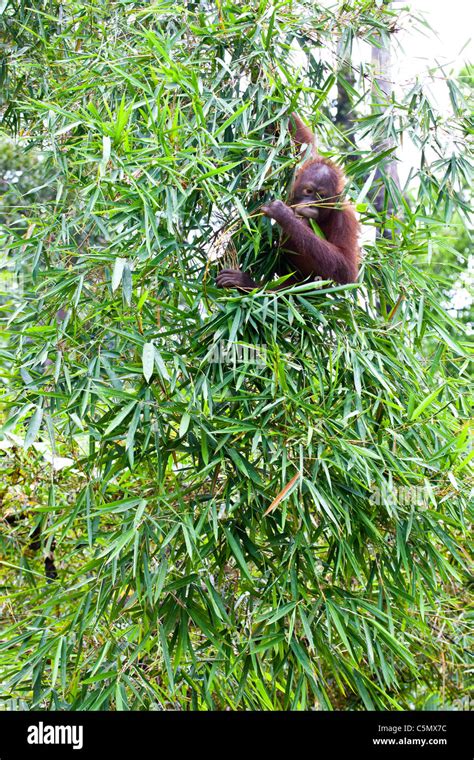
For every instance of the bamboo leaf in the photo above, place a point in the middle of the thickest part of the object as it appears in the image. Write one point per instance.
(33, 428)
(148, 360)
(283, 493)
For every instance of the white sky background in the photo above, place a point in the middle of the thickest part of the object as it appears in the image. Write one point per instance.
(424, 52)
(452, 22)
(428, 54)
(421, 53)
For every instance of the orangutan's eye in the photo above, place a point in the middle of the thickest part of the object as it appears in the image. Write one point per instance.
(307, 191)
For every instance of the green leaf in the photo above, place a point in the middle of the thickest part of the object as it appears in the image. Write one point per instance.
(119, 266)
(33, 428)
(184, 424)
(148, 360)
(237, 552)
(115, 422)
(425, 403)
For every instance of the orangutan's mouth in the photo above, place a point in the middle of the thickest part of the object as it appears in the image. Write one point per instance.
(310, 212)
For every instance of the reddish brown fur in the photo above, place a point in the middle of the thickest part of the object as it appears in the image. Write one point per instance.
(300, 133)
(338, 221)
(315, 194)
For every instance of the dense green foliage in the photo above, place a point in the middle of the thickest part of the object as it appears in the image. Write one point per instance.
(162, 128)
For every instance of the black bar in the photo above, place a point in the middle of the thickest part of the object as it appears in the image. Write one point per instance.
(117, 735)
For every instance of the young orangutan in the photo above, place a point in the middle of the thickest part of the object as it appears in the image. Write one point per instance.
(316, 194)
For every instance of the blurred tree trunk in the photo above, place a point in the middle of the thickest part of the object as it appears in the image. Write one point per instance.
(345, 118)
(386, 181)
